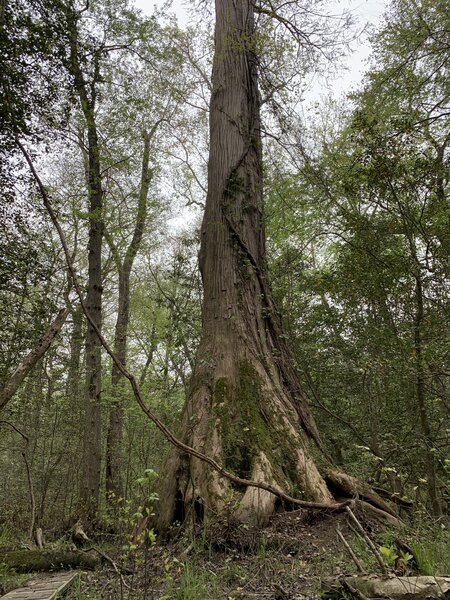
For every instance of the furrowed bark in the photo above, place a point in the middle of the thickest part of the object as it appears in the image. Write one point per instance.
(245, 407)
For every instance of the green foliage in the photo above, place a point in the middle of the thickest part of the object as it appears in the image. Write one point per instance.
(10, 580)
(77, 594)
(389, 555)
(194, 584)
(358, 239)
(431, 547)
(7, 535)
(28, 282)
(31, 54)
(358, 260)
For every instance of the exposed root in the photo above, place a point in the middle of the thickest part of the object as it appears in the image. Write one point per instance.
(382, 515)
(348, 486)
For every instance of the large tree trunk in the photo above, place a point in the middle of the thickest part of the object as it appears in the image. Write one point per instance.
(245, 403)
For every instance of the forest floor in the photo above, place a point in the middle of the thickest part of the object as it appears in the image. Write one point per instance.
(288, 560)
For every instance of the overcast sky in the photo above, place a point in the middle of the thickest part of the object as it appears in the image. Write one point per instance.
(365, 11)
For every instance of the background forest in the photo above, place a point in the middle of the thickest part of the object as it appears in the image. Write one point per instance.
(106, 111)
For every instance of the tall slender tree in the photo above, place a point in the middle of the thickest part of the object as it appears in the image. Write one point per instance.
(87, 90)
(124, 266)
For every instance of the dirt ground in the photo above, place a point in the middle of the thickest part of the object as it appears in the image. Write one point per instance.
(286, 561)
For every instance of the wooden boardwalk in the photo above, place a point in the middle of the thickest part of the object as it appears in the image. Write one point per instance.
(44, 589)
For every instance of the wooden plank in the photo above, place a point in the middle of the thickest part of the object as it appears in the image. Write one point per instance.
(44, 589)
(24, 594)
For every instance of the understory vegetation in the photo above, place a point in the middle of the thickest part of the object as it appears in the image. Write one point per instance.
(104, 135)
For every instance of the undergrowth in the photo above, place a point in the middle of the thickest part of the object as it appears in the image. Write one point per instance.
(7, 537)
(166, 573)
(431, 546)
(10, 580)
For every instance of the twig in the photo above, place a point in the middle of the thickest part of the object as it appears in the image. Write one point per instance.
(281, 593)
(350, 551)
(355, 531)
(187, 550)
(31, 488)
(111, 562)
(368, 540)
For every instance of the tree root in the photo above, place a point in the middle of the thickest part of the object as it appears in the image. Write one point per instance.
(349, 486)
(378, 513)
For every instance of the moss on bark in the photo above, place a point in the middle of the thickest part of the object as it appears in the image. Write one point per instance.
(25, 561)
(242, 427)
(246, 431)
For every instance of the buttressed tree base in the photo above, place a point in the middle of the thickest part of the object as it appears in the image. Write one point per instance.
(245, 407)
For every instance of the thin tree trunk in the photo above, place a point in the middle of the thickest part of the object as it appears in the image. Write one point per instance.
(114, 487)
(76, 346)
(14, 382)
(150, 354)
(114, 459)
(421, 401)
(90, 479)
(90, 484)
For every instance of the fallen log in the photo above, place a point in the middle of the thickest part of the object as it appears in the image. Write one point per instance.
(395, 588)
(25, 561)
